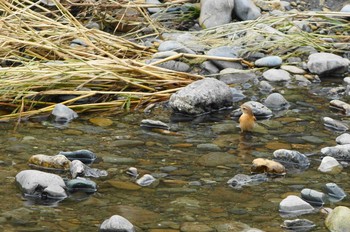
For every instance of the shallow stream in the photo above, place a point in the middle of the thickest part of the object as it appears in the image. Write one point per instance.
(193, 164)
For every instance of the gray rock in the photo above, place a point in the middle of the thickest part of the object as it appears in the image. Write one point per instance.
(291, 159)
(339, 152)
(202, 96)
(165, 54)
(293, 69)
(85, 156)
(340, 105)
(294, 205)
(81, 185)
(215, 13)
(37, 183)
(63, 114)
(214, 159)
(338, 219)
(276, 75)
(153, 9)
(117, 223)
(276, 101)
(210, 67)
(313, 197)
(345, 8)
(146, 180)
(343, 139)
(334, 124)
(246, 10)
(334, 192)
(149, 123)
(269, 61)
(77, 168)
(172, 65)
(234, 76)
(265, 87)
(237, 95)
(302, 81)
(225, 51)
(327, 64)
(330, 165)
(260, 111)
(298, 225)
(174, 46)
(240, 180)
(208, 147)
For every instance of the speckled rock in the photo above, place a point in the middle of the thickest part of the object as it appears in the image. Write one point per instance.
(202, 96)
(118, 224)
(338, 219)
(339, 152)
(276, 101)
(302, 225)
(276, 75)
(291, 159)
(327, 64)
(268, 5)
(215, 13)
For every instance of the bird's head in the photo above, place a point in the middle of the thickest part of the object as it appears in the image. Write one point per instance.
(246, 109)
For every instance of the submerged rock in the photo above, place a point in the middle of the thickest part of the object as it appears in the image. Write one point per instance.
(41, 184)
(215, 13)
(298, 225)
(132, 171)
(148, 123)
(240, 180)
(334, 192)
(334, 124)
(261, 165)
(327, 64)
(117, 223)
(202, 96)
(291, 159)
(57, 162)
(313, 197)
(146, 180)
(330, 165)
(85, 156)
(338, 219)
(339, 152)
(294, 206)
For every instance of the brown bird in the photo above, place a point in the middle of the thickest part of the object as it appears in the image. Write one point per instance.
(247, 119)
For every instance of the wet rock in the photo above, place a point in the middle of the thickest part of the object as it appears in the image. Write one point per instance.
(208, 147)
(298, 225)
(148, 123)
(330, 165)
(81, 185)
(334, 192)
(291, 159)
(339, 152)
(302, 81)
(327, 64)
(103, 122)
(85, 156)
(261, 165)
(313, 197)
(240, 180)
(146, 180)
(124, 185)
(343, 139)
(338, 219)
(227, 52)
(269, 61)
(334, 124)
(276, 101)
(57, 162)
(265, 87)
(132, 171)
(294, 205)
(174, 46)
(78, 168)
(293, 69)
(216, 159)
(118, 224)
(276, 75)
(260, 111)
(41, 184)
(340, 105)
(63, 114)
(202, 96)
(215, 13)
(246, 10)
(119, 160)
(234, 76)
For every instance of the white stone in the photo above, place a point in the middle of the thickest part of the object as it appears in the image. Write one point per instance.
(329, 165)
(295, 205)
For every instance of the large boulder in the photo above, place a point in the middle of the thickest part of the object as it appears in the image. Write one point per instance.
(338, 219)
(117, 223)
(202, 96)
(327, 64)
(41, 184)
(246, 10)
(215, 13)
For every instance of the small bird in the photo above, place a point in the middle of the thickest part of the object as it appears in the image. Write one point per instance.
(247, 119)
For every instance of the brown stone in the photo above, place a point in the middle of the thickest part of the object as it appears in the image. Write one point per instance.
(261, 165)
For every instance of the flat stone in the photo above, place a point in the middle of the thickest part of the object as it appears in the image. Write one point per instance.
(216, 159)
(195, 226)
(269, 61)
(293, 69)
(276, 75)
(124, 185)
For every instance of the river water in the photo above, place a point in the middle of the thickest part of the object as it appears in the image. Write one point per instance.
(192, 165)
